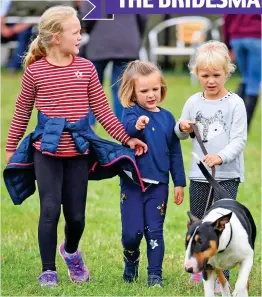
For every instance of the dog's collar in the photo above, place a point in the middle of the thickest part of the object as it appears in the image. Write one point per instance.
(231, 234)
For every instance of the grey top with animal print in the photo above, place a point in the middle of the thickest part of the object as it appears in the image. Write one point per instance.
(222, 125)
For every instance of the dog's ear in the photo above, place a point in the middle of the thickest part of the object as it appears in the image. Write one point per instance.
(219, 224)
(192, 218)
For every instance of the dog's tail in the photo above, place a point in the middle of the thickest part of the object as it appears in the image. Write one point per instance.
(215, 185)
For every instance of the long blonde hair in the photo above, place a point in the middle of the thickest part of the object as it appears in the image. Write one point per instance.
(50, 23)
(126, 91)
(212, 54)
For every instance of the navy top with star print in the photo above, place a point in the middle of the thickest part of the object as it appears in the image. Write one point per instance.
(164, 151)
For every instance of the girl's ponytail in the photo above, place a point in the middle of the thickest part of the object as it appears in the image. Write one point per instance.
(35, 52)
(50, 23)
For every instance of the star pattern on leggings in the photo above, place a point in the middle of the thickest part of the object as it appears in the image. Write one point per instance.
(153, 243)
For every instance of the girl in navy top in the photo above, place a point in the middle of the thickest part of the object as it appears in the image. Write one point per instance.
(143, 213)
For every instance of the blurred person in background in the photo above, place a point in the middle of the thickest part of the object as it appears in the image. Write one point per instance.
(11, 32)
(117, 41)
(242, 34)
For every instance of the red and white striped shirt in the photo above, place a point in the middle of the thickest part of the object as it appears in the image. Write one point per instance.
(62, 92)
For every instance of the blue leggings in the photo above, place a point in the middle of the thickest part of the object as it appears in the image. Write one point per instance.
(143, 214)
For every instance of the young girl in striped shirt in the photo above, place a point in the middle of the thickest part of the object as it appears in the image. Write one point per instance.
(61, 85)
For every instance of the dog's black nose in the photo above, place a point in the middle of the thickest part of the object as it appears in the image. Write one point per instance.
(189, 270)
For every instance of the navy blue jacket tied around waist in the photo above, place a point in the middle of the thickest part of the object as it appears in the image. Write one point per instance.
(106, 158)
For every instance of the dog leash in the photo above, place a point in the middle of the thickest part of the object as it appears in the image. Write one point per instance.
(196, 134)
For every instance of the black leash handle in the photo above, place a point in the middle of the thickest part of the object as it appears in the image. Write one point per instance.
(199, 140)
(196, 134)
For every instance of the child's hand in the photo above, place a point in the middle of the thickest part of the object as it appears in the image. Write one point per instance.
(8, 156)
(137, 145)
(185, 127)
(179, 195)
(142, 122)
(212, 160)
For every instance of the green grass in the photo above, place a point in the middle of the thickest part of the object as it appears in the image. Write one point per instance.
(101, 244)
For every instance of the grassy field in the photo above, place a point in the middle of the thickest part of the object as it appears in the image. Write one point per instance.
(101, 244)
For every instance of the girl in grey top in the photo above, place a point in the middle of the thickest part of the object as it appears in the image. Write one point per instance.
(220, 116)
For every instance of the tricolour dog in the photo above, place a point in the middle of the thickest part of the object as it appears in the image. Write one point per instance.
(224, 238)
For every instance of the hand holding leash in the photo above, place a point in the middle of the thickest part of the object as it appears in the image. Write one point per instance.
(186, 126)
(212, 160)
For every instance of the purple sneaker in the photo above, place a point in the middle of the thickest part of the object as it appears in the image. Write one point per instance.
(77, 269)
(48, 278)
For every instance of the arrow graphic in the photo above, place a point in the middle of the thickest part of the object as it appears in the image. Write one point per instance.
(96, 10)
(90, 7)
